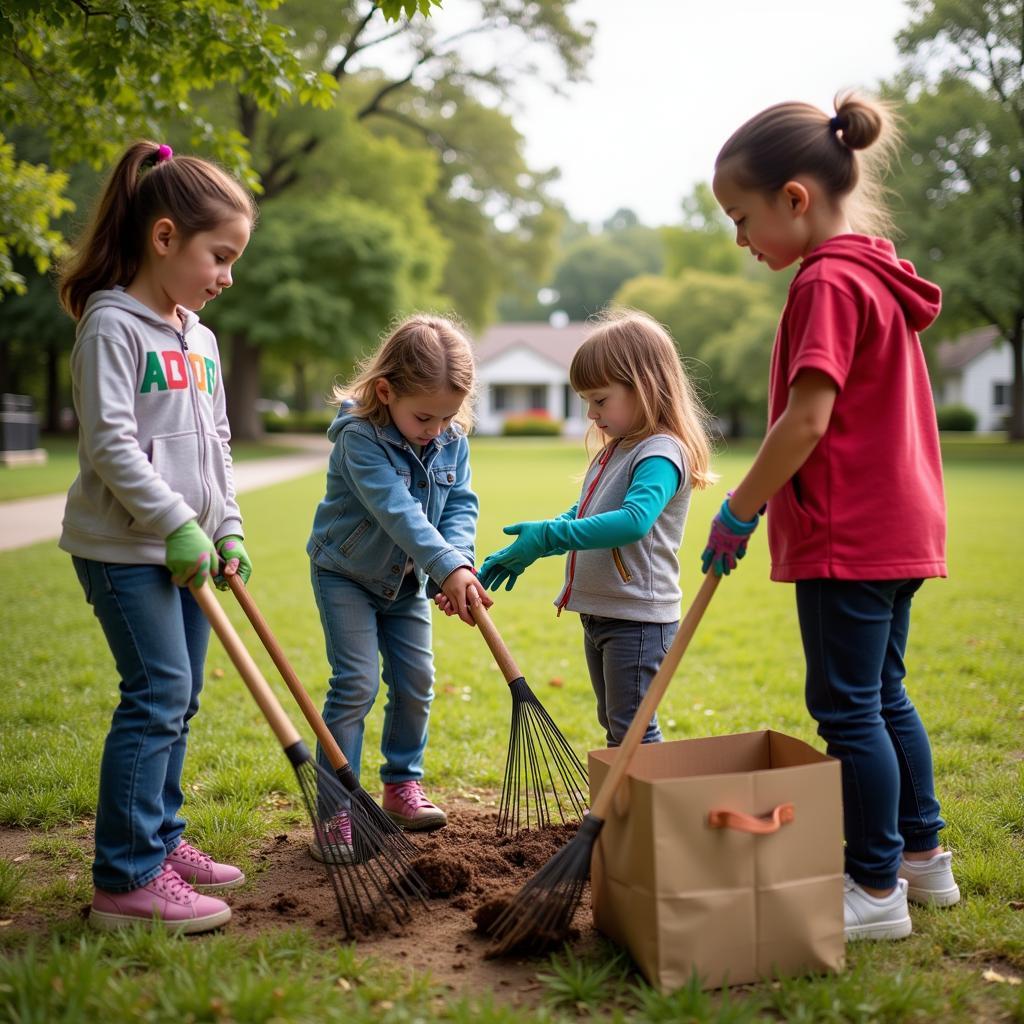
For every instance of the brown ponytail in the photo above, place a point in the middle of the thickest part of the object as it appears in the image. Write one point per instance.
(791, 139)
(144, 186)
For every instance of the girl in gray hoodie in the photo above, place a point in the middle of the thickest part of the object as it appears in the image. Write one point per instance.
(153, 509)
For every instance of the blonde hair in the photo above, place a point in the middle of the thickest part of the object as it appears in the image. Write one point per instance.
(790, 139)
(423, 354)
(143, 187)
(630, 348)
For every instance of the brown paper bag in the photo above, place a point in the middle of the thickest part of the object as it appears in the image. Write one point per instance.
(679, 878)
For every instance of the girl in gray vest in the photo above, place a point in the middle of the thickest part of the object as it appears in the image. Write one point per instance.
(622, 536)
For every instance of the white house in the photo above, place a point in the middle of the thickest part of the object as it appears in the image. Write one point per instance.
(525, 366)
(976, 370)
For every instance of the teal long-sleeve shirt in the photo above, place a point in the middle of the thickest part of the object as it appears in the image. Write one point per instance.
(654, 483)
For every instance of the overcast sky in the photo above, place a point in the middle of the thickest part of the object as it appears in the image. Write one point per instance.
(671, 79)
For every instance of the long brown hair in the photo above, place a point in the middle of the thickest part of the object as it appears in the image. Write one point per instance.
(195, 194)
(790, 139)
(630, 348)
(423, 354)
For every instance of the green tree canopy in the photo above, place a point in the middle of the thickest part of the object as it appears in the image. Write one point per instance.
(961, 180)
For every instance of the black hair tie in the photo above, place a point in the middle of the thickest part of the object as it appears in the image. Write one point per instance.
(836, 124)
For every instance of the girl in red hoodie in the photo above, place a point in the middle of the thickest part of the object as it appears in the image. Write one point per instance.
(851, 472)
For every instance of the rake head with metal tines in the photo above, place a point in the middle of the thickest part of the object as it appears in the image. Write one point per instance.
(379, 876)
(544, 779)
(542, 911)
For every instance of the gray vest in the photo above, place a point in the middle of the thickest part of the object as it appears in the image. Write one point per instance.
(641, 580)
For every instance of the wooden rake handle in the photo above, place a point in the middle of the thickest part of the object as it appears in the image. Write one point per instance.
(502, 655)
(277, 655)
(637, 728)
(285, 732)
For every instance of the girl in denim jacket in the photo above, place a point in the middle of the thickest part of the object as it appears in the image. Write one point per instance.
(398, 511)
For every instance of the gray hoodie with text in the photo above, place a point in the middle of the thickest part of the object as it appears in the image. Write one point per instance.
(154, 444)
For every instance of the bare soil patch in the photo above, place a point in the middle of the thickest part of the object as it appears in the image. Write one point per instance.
(468, 867)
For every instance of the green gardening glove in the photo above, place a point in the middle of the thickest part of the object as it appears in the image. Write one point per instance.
(231, 549)
(191, 556)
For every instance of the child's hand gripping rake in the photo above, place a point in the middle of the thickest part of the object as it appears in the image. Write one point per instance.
(543, 909)
(358, 892)
(373, 832)
(541, 769)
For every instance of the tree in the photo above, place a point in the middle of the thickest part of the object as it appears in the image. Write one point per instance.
(485, 198)
(94, 73)
(961, 184)
(723, 326)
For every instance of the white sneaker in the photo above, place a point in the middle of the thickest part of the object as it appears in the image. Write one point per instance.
(872, 917)
(931, 881)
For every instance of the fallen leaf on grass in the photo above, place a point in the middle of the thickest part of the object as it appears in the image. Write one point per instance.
(996, 977)
(556, 681)
(218, 673)
(1016, 904)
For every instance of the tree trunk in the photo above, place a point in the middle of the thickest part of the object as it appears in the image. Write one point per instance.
(53, 361)
(1016, 431)
(300, 396)
(736, 421)
(243, 389)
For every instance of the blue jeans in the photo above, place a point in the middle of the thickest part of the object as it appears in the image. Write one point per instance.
(855, 635)
(158, 637)
(362, 630)
(623, 656)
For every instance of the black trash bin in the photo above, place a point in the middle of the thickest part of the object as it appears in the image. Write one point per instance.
(19, 431)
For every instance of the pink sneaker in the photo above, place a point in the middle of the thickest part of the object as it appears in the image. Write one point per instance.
(200, 870)
(168, 898)
(406, 804)
(339, 842)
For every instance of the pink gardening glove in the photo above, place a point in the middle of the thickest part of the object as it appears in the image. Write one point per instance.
(727, 541)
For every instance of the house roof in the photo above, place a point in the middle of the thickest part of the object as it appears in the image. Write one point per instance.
(559, 344)
(956, 354)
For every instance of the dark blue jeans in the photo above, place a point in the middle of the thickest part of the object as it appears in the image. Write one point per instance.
(855, 635)
(623, 656)
(158, 636)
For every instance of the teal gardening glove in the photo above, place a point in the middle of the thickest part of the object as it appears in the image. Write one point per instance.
(505, 566)
(191, 556)
(230, 549)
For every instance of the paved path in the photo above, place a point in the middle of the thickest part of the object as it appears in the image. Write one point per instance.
(32, 520)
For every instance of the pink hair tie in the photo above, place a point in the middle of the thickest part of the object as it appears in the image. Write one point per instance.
(163, 153)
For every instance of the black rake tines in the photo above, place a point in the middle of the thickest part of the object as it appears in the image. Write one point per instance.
(543, 775)
(376, 833)
(381, 883)
(541, 913)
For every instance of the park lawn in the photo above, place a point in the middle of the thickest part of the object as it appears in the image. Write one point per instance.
(61, 466)
(744, 671)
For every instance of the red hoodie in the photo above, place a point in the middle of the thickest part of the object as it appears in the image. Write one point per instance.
(868, 503)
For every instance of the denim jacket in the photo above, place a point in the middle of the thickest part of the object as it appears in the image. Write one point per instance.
(384, 505)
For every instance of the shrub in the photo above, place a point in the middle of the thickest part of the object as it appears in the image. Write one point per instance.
(535, 423)
(956, 417)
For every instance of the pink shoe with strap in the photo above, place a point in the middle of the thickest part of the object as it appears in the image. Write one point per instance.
(407, 805)
(201, 870)
(338, 838)
(168, 899)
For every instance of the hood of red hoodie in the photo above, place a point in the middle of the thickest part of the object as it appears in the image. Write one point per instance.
(921, 300)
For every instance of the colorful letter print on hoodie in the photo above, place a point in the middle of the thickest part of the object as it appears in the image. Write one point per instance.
(153, 447)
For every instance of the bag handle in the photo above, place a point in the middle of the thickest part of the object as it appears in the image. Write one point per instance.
(758, 826)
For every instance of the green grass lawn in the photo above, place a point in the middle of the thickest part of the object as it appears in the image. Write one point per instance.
(744, 671)
(61, 466)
